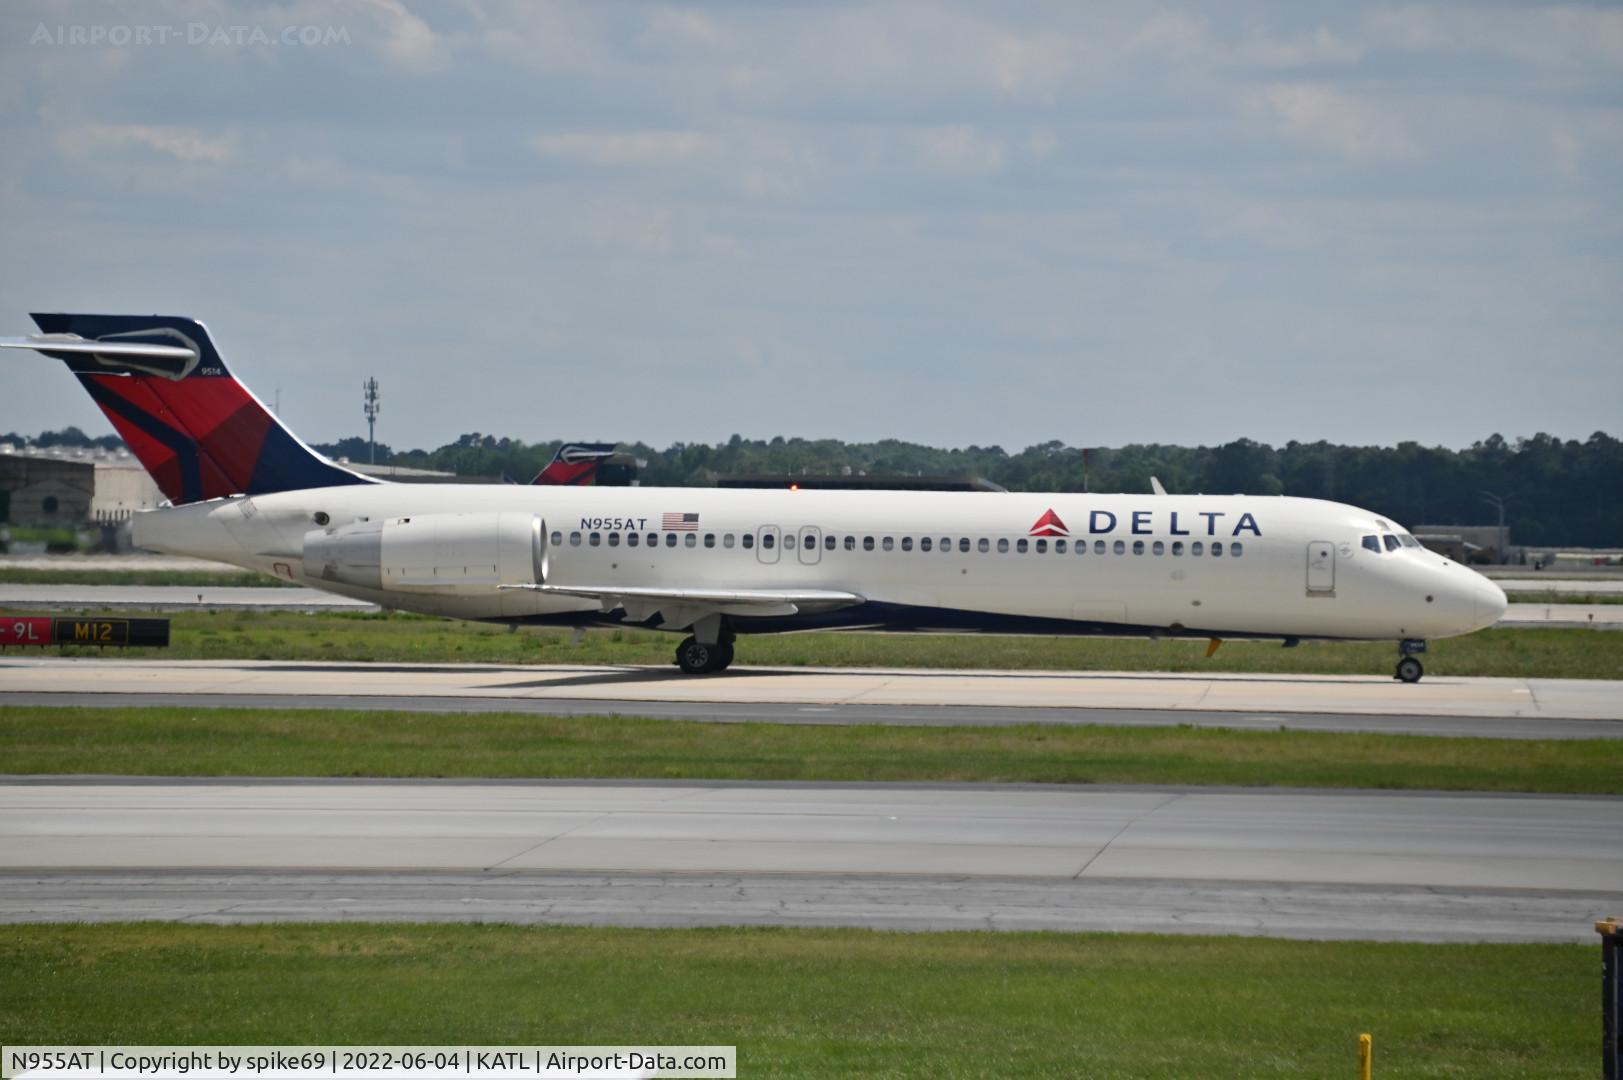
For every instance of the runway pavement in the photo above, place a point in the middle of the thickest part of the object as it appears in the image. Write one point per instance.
(1265, 862)
(1499, 708)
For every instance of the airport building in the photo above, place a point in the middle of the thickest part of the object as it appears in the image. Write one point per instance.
(73, 487)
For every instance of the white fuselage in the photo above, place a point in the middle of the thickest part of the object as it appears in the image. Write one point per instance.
(1197, 564)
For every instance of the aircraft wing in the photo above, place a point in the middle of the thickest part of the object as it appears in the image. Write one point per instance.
(683, 606)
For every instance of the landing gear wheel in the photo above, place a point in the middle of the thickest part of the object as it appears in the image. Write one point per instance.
(1409, 670)
(695, 658)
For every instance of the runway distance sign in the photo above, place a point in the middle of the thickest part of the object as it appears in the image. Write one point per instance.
(82, 630)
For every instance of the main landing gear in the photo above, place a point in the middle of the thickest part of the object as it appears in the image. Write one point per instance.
(697, 658)
(1409, 666)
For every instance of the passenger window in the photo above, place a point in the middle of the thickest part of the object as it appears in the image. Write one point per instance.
(924, 543)
(1177, 547)
(1119, 547)
(888, 543)
(1158, 548)
(1002, 546)
(850, 543)
(828, 542)
(1059, 547)
(963, 543)
(767, 540)
(1042, 546)
(1373, 543)
(946, 543)
(557, 539)
(632, 539)
(907, 543)
(709, 540)
(984, 545)
(748, 540)
(574, 539)
(789, 542)
(867, 543)
(1098, 547)
(670, 539)
(653, 539)
(1235, 550)
(1197, 548)
(1138, 547)
(1217, 547)
(726, 540)
(690, 540)
(614, 539)
(595, 539)
(1391, 541)
(1021, 545)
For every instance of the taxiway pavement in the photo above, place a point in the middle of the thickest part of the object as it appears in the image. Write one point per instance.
(1265, 862)
(1496, 707)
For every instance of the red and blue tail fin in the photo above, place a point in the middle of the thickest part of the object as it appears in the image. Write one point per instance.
(199, 432)
(575, 463)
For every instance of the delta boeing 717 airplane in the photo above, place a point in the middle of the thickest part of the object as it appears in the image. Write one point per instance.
(712, 564)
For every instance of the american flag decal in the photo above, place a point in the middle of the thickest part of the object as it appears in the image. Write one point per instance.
(679, 522)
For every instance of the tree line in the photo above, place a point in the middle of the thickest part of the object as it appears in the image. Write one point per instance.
(1557, 492)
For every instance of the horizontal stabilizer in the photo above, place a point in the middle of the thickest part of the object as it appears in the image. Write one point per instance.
(169, 361)
(75, 344)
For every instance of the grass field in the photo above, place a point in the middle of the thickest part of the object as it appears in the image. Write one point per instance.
(247, 742)
(822, 1002)
(394, 637)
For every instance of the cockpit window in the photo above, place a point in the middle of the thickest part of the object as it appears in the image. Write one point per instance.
(1373, 543)
(1391, 541)
(1408, 541)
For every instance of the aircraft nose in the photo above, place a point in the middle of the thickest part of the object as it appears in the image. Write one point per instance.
(1490, 602)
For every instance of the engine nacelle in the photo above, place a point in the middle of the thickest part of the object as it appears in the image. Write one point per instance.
(430, 553)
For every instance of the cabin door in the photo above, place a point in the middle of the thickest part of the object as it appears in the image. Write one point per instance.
(811, 549)
(1321, 568)
(766, 543)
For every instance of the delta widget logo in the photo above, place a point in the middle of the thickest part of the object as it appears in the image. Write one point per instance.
(1049, 525)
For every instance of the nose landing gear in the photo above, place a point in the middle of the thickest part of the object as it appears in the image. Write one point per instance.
(1409, 666)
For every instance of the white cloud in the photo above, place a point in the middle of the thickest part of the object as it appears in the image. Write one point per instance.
(619, 227)
(407, 40)
(1336, 120)
(1187, 38)
(1551, 36)
(1172, 34)
(1320, 47)
(1567, 151)
(623, 147)
(183, 144)
(958, 149)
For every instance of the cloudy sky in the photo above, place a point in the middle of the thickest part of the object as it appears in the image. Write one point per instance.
(955, 223)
